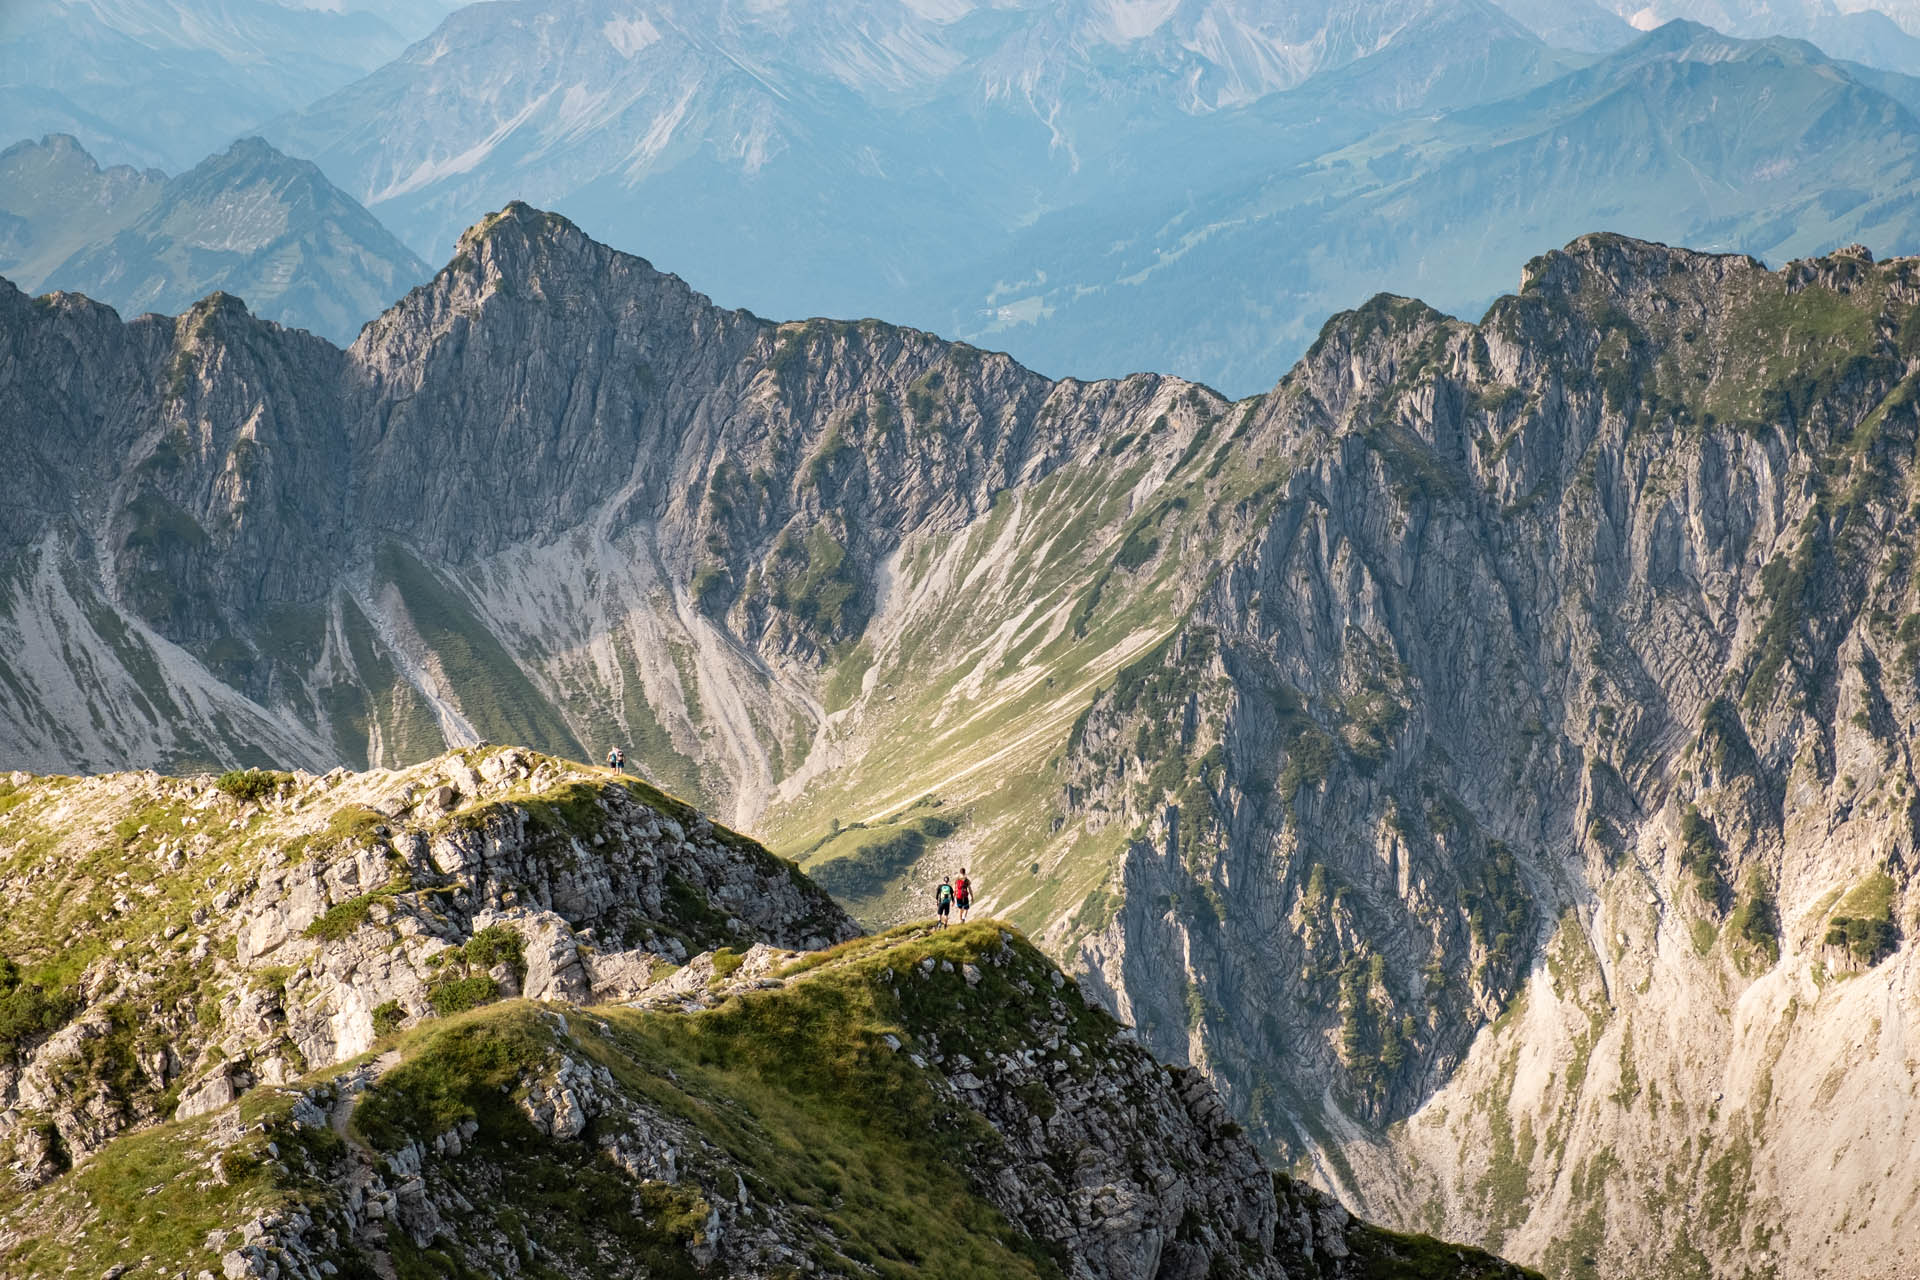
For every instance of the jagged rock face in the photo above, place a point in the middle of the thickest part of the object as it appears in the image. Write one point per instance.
(1568, 680)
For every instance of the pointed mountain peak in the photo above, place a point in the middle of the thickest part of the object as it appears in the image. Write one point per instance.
(1679, 32)
(522, 228)
(536, 250)
(251, 148)
(253, 158)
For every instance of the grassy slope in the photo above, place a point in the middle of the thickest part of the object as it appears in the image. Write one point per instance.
(114, 868)
(975, 710)
(796, 1085)
(158, 1193)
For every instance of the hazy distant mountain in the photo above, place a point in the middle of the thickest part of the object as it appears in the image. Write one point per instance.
(55, 199)
(1880, 33)
(1572, 24)
(250, 221)
(167, 81)
(821, 157)
(1452, 56)
(1766, 16)
(1686, 136)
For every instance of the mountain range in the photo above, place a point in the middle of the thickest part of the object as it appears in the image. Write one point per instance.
(1100, 188)
(162, 83)
(1880, 33)
(879, 136)
(1232, 283)
(249, 221)
(1481, 755)
(1072, 187)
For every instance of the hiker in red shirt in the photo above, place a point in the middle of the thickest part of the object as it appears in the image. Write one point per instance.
(962, 894)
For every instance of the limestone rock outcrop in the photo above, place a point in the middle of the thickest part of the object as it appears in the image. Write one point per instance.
(283, 924)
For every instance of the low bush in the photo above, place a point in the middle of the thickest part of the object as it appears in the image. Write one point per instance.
(388, 1017)
(449, 994)
(27, 1009)
(251, 786)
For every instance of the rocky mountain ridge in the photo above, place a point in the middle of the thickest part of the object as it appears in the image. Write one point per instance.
(1563, 697)
(923, 1102)
(664, 460)
(367, 902)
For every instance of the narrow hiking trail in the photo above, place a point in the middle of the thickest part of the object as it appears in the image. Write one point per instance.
(369, 1234)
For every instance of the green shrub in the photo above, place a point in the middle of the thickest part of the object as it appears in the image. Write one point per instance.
(1868, 941)
(1863, 921)
(1755, 919)
(1310, 759)
(340, 920)
(458, 987)
(497, 944)
(251, 786)
(388, 1017)
(450, 994)
(819, 583)
(1700, 854)
(352, 824)
(1138, 548)
(726, 962)
(709, 585)
(27, 1009)
(461, 1073)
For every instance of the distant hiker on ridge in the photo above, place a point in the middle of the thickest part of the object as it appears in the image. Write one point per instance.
(943, 900)
(616, 758)
(963, 894)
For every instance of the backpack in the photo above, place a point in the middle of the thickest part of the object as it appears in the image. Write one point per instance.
(961, 889)
(943, 895)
